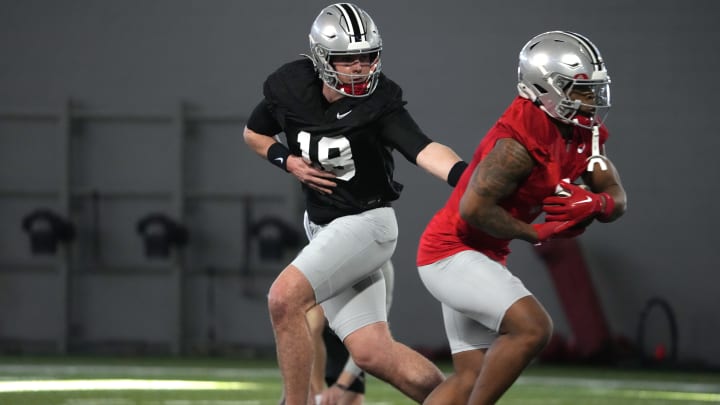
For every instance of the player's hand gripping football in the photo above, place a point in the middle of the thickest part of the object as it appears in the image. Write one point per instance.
(576, 204)
(316, 179)
(561, 227)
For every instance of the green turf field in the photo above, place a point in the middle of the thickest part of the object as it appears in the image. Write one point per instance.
(152, 381)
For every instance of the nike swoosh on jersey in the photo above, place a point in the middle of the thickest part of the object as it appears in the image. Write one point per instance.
(343, 115)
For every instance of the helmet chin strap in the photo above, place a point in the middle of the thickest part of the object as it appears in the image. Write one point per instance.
(596, 157)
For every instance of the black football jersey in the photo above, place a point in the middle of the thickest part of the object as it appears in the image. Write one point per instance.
(352, 137)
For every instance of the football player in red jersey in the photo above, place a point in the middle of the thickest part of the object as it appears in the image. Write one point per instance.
(342, 118)
(550, 137)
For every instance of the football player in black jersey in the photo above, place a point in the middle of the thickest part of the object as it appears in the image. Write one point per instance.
(342, 119)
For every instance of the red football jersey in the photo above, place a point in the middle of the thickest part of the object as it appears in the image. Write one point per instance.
(556, 159)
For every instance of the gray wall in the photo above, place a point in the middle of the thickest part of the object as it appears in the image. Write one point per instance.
(457, 63)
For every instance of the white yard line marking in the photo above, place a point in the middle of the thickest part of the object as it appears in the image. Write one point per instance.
(133, 371)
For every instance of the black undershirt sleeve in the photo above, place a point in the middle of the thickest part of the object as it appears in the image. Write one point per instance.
(262, 120)
(401, 131)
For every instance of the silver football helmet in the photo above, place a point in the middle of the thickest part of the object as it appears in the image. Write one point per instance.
(555, 63)
(344, 30)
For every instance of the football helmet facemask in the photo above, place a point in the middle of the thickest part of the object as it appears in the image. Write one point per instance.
(345, 33)
(556, 63)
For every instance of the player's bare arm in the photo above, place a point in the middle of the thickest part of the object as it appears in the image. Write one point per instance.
(496, 177)
(437, 159)
(259, 143)
(608, 181)
(316, 179)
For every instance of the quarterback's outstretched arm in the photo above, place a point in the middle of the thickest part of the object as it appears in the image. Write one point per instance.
(442, 162)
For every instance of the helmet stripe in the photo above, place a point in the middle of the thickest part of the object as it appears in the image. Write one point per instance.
(354, 22)
(595, 53)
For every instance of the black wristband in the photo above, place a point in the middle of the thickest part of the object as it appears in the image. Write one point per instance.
(455, 173)
(278, 154)
(342, 386)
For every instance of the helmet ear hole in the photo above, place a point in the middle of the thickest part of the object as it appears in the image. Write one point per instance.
(563, 84)
(540, 89)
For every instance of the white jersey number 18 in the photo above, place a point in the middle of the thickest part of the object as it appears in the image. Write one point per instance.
(334, 154)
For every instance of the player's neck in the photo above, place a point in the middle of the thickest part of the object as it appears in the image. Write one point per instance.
(566, 130)
(331, 95)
